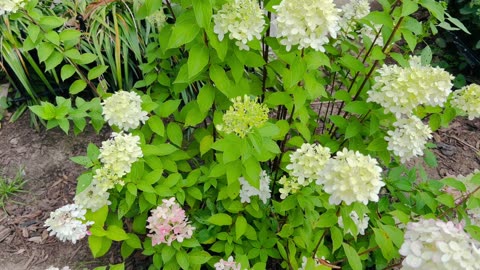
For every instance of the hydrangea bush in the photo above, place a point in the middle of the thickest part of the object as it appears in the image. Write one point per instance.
(267, 134)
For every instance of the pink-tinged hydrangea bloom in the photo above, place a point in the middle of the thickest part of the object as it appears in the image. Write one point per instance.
(306, 23)
(242, 20)
(351, 177)
(124, 110)
(467, 100)
(307, 161)
(401, 90)
(68, 223)
(230, 264)
(409, 138)
(168, 223)
(439, 245)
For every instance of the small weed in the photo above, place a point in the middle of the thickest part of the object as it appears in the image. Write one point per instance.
(8, 187)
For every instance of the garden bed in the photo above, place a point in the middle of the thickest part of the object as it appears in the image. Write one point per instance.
(24, 242)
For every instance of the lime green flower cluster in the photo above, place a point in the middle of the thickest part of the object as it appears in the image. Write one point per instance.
(243, 115)
(467, 100)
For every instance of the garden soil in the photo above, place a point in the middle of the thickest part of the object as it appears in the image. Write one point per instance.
(44, 155)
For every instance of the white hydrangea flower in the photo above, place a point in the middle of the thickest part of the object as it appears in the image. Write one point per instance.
(124, 110)
(93, 197)
(10, 6)
(351, 12)
(409, 138)
(351, 177)
(439, 245)
(68, 223)
(307, 161)
(306, 23)
(247, 191)
(362, 224)
(400, 90)
(119, 152)
(371, 32)
(242, 19)
(467, 100)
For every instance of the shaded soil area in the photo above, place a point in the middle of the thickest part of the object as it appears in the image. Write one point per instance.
(51, 176)
(44, 155)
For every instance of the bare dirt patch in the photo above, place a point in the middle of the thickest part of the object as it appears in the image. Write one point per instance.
(44, 155)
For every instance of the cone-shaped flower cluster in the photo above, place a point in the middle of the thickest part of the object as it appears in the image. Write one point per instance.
(242, 20)
(168, 223)
(306, 23)
(124, 110)
(68, 223)
(409, 138)
(243, 115)
(351, 177)
(467, 100)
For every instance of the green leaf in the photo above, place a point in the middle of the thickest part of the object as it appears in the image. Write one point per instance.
(184, 30)
(430, 158)
(452, 182)
(353, 128)
(182, 259)
(206, 144)
(77, 87)
(408, 7)
(197, 59)
(352, 256)
(327, 219)
(156, 125)
(240, 226)
(86, 58)
(33, 31)
(385, 243)
(116, 233)
(205, 98)
(50, 22)
(67, 71)
(163, 149)
(446, 199)
(352, 63)
(82, 160)
(175, 134)
(203, 12)
(53, 61)
(96, 72)
(426, 56)
(166, 108)
(45, 49)
(378, 144)
(53, 37)
(358, 107)
(220, 219)
(435, 8)
(167, 253)
(45, 111)
(199, 256)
